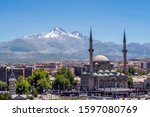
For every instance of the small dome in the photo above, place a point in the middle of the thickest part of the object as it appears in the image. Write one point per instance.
(136, 74)
(106, 74)
(107, 71)
(122, 74)
(94, 74)
(100, 71)
(111, 74)
(99, 75)
(118, 74)
(100, 58)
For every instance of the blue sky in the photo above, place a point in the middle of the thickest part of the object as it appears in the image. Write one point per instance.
(108, 18)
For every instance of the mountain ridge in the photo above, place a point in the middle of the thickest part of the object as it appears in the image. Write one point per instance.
(59, 44)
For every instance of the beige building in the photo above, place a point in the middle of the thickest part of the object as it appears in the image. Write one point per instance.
(141, 82)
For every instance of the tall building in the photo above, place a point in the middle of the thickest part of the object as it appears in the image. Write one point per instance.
(124, 51)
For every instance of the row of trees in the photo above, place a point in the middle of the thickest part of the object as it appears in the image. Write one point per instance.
(132, 71)
(38, 83)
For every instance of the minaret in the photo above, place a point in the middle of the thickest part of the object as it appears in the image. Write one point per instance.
(124, 51)
(91, 50)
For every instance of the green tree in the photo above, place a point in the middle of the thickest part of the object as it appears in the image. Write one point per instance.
(22, 86)
(4, 97)
(67, 74)
(130, 81)
(37, 75)
(43, 85)
(131, 70)
(61, 83)
(3, 86)
(119, 70)
(40, 81)
(63, 70)
(142, 72)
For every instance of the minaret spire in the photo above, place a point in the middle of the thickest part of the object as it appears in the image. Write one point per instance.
(91, 50)
(124, 51)
(124, 37)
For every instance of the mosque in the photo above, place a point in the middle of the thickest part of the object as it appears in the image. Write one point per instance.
(99, 74)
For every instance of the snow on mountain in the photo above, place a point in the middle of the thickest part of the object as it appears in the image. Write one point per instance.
(60, 44)
(56, 33)
(78, 34)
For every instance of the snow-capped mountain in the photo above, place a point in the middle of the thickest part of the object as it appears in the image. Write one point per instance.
(58, 44)
(57, 40)
(56, 33)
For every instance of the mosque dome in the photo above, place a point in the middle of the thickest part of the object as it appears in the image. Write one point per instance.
(100, 58)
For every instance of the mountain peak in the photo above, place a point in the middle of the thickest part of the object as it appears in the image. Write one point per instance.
(58, 29)
(78, 34)
(56, 33)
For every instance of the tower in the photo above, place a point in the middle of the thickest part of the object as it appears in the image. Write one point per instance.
(124, 51)
(12, 83)
(91, 50)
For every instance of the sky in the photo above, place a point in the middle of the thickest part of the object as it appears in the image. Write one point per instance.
(108, 18)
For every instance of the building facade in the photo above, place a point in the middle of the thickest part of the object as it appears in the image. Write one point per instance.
(5, 72)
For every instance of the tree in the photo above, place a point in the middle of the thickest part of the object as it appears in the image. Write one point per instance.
(40, 81)
(63, 70)
(119, 70)
(142, 72)
(131, 71)
(70, 76)
(130, 81)
(3, 86)
(61, 83)
(43, 85)
(67, 73)
(22, 85)
(4, 97)
(37, 75)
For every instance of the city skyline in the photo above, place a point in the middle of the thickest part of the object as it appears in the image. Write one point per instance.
(107, 18)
